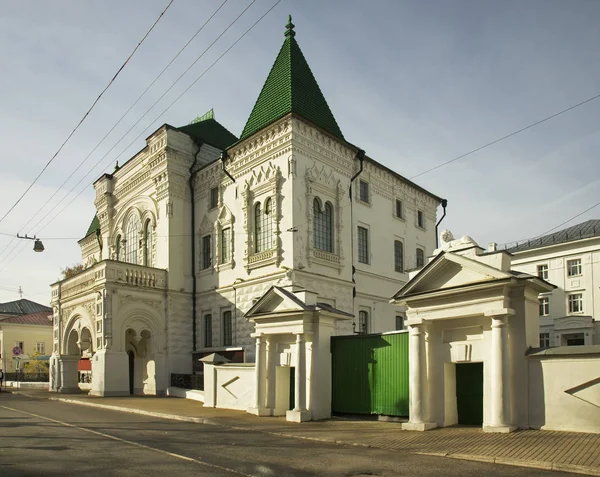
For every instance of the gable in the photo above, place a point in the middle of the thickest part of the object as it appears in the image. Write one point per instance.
(276, 300)
(449, 270)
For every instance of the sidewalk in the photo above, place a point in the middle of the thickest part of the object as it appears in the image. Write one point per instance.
(550, 450)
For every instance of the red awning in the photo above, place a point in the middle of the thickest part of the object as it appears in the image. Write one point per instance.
(84, 365)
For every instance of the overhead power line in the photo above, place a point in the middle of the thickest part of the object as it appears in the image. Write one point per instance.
(41, 210)
(473, 151)
(172, 103)
(86, 114)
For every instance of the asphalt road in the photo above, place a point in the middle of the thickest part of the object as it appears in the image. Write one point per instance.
(40, 437)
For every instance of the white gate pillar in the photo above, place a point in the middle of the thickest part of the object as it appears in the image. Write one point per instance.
(259, 379)
(418, 397)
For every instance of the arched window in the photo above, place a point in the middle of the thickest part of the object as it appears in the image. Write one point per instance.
(263, 226)
(363, 322)
(398, 256)
(132, 239)
(149, 243)
(323, 226)
(420, 258)
(118, 247)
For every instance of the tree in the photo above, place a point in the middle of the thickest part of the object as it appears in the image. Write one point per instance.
(36, 365)
(72, 270)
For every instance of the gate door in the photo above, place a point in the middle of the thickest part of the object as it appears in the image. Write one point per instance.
(370, 374)
(469, 393)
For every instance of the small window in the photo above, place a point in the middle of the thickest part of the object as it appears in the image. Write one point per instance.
(398, 256)
(148, 243)
(399, 211)
(206, 252)
(207, 330)
(576, 303)
(363, 245)
(118, 248)
(574, 267)
(364, 191)
(363, 322)
(19, 344)
(544, 306)
(542, 271)
(399, 322)
(40, 348)
(545, 340)
(420, 257)
(420, 219)
(227, 329)
(214, 197)
(226, 245)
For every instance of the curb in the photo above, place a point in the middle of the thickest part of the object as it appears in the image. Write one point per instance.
(534, 464)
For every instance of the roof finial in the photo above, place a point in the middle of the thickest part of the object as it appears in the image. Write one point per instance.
(116, 166)
(290, 28)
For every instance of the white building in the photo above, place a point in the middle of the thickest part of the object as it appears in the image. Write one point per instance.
(199, 225)
(569, 259)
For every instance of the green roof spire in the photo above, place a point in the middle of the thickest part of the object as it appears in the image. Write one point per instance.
(291, 88)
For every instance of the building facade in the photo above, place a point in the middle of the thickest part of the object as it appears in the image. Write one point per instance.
(569, 259)
(196, 227)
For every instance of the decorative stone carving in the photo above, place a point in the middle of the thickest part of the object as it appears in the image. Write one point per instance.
(449, 243)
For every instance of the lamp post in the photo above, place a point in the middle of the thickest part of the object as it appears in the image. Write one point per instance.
(38, 246)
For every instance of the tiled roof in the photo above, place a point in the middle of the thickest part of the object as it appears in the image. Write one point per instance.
(39, 318)
(291, 88)
(95, 225)
(588, 229)
(210, 131)
(22, 307)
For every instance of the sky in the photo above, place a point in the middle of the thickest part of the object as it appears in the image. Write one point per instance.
(415, 83)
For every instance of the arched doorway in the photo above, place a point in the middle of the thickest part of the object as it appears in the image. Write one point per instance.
(131, 355)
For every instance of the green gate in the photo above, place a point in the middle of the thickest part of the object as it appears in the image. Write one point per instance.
(370, 374)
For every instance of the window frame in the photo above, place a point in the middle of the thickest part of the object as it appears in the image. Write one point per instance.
(323, 226)
(542, 271)
(207, 330)
(263, 225)
(399, 206)
(544, 340)
(226, 248)
(398, 256)
(578, 268)
(213, 198)
(363, 322)
(419, 249)
(544, 306)
(363, 186)
(402, 319)
(132, 242)
(206, 252)
(227, 329)
(148, 243)
(364, 248)
(43, 347)
(572, 299)
(420, 219)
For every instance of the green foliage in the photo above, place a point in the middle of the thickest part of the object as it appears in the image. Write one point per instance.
(35, 365)
(72, 270)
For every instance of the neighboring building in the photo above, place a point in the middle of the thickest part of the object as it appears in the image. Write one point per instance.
(32, 333)
(21, 307)
(569, 259)
(199, 225)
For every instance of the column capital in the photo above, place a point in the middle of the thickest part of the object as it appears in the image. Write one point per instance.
(300, 337)
(500, 313)
(415, 330)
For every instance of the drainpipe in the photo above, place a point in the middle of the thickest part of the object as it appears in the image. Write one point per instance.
(444, 205)
(360, 155)
(224, 157)
(193, 222)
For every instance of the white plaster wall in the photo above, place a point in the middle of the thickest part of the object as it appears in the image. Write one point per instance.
(551, 406)
(234, 386)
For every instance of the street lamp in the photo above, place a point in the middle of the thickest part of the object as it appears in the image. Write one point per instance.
(38, 246)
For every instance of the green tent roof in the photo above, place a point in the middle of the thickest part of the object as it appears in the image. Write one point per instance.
(95, 225)
(210, 131)
(291, 88)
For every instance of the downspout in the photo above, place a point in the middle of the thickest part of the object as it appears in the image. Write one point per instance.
(224, 157)
(360, 155)
(193, 243)
(444, 205)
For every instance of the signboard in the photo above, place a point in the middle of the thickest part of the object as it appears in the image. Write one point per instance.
(17, 351)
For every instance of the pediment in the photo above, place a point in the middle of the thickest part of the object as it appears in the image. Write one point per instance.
(276, 301)
(450, 270)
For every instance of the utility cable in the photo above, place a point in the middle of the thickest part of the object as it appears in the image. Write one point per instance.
(86, 114)
(473, 151)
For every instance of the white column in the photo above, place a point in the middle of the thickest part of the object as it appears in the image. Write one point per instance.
(417, 381)
(271, 365)
(499, 372)
(300, 384)
(259, 400)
